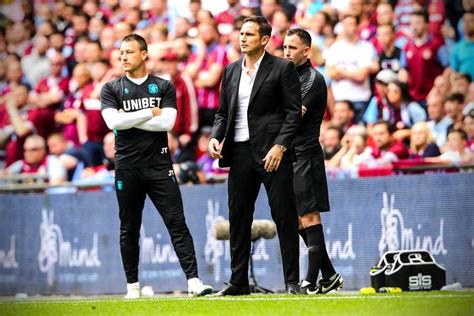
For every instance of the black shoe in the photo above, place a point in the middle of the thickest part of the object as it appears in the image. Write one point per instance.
(308, 287)
(292, 288)
(233, 290)
(333, 284)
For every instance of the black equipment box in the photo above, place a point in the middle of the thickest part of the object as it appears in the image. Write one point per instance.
(410, 270)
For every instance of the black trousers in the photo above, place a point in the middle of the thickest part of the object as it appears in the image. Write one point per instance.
(132, 186)
(244, 182)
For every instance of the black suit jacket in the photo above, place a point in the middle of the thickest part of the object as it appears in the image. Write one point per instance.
(274, 111)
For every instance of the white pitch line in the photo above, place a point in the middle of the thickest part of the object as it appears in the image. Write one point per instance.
(288, 298)
(335, 297)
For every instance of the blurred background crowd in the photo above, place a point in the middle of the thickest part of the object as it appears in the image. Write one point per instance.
(399, 77)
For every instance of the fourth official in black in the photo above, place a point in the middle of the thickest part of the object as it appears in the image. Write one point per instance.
(310, 184)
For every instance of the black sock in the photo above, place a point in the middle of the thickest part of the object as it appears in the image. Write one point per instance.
(304, 236)
(315, 252)
(327, 269)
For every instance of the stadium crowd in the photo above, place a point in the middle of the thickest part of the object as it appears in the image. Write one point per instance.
(399, 76)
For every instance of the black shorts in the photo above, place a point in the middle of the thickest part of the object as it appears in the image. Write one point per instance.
(310, 185)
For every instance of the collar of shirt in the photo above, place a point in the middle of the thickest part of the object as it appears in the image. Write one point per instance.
(137, 81)
(257, 65)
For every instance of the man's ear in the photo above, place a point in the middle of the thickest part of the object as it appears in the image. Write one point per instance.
(144, 55)
(265, 39)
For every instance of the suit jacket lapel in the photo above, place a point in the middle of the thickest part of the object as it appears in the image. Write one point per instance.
(262, 73)
(235, 82)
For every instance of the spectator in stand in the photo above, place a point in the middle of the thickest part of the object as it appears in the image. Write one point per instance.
(15, 126)
(233, 48)
(402, 112)
(343, 115)
(186, 123)
(387, 150)
(439, 122)
(321, 30)
(350, 72)
(108, 41)
(228, 16)
(184, 163)
(423, 58)
(205, 68)
(181, 28)
(461, 55)
(73, 159)
(57, 45)
(351, 149)
(386, 16)
(457, 152)
(91, 126)
(280, 25)
(453, 105)
(358, 154)
(469, 129)
(389, 55)
(104, 171)
(422, 143)
(460, 83)
(365, 11)
(18, 39)
(208, 165)
(36, 65)
(441, 86)
(70, 115)
(268, 9)
(97, 24)
(378, 105)
(332, 142)
(36, 161)
(51, 90)
(14, 76)
(94, 52)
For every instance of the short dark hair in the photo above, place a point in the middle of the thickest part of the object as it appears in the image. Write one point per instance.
(264, 28)
(423, 13)
(403, 86)
(140, 40)
(461, 133)
(463, 75)
(390, 26)
(355, 17)
(455, 97)
(340, 132)
(303, 35)
(350, 105)
(390, 127)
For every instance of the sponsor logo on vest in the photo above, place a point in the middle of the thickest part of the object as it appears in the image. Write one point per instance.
(419, 282)
(140, 104)
(153, 88)
(396, 236)
(55, 250)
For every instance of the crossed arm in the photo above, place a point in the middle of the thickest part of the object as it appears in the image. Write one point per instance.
(152, 120)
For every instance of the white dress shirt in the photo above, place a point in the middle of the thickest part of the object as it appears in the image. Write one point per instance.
(245, 89)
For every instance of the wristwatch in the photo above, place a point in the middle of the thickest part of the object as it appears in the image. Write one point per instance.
(282, 148)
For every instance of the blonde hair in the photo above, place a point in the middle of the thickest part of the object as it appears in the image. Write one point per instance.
(429, 135)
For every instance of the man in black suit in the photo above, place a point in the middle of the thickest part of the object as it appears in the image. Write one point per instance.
(258, 115)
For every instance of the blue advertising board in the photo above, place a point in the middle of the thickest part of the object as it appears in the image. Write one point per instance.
(68, 243)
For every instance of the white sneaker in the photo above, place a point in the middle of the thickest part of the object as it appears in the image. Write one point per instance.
(133, 291)
(196, 288)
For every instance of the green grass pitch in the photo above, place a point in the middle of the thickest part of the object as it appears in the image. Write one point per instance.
(419, 303)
